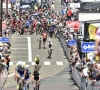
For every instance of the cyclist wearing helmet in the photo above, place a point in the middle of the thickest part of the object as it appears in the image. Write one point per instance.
(20, 71)
(37, 62)
(36, 78)
(50, 44)
(37, 59)
(27, 78)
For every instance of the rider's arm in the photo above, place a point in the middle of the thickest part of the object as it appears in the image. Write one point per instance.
(24, 73)
(15, 71)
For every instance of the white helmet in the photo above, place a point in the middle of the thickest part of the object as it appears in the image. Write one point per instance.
(19, 63)
(49, 40)
(37, 55)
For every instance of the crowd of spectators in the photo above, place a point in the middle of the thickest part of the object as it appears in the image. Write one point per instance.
(87, 68)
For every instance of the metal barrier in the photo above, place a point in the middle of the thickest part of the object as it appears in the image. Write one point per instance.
(82, 82)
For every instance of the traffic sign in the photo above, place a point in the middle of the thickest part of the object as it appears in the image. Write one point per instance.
(88, 46)
(71, 42)
(4, 39)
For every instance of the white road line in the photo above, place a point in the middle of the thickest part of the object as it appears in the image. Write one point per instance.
(18, 52)
(33, 63)
(14, 73)
(29, 49)
(10, 63)
(20, 45)
(47, 63)
(13, 40)
(19, 48)
(18, 56)
(59, 63)
(11, 75)
(19, 37)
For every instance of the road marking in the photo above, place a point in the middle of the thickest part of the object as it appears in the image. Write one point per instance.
(18, 52)
(47, 63)
(59, 63)
(29, 49)
(11, 75)
(19, 48)
(18, 56)
(17, 40)
(19, 37)
(20, 45)
(10, 63)
(33, 63)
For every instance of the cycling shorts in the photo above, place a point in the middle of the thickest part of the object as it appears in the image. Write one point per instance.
(36, 78)
(27, 80)
(44, 39)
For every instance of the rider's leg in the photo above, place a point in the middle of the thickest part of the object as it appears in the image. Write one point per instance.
(34, 84)
(28, 82)
(18, 78)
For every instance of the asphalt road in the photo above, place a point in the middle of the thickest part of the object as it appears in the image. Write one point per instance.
(54, 71)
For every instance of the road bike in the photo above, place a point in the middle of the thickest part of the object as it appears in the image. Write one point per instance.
(50, 52)
(39, 43)
(37, 85)
(22, 85)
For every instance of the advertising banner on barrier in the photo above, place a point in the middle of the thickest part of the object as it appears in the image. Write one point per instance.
(4, 39)
(71, 42)
(88, 47)
(73, 25)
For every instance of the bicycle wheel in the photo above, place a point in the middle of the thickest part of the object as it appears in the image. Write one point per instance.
(20, 87)
(50, 53)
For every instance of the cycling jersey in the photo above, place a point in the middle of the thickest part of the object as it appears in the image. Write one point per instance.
(20, 71)
(50, 44)
(37, 60)
(27, 75)
(44, 35)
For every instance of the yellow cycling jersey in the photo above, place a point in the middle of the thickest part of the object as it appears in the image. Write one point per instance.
(37, 59)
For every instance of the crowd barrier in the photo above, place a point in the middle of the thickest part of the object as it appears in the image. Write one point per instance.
(82, 82)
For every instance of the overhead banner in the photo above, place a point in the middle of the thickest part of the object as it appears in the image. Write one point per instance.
(88, 16)
(74, 5)
(89, 31)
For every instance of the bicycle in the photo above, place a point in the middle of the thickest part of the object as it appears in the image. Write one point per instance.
(37, 85)
(50, 52)
(40, 40)
(22, 85)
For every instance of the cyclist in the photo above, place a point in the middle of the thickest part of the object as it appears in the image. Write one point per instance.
(37, 62)
(44, 38)
(50, 44)
(20, 72)
(27, 78)
(36, 77)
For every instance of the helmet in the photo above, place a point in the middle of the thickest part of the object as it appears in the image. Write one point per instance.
(19, 63)
(37, 56)
(49, 40)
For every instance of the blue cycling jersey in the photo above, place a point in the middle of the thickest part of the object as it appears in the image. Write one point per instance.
(20, 71)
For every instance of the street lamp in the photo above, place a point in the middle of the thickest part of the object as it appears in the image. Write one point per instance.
(1, 1)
